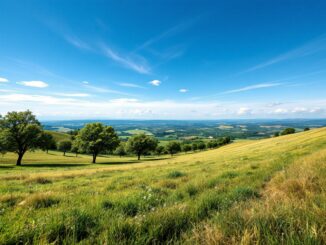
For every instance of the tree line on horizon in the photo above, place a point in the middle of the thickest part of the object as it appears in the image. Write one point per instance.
(21, 132)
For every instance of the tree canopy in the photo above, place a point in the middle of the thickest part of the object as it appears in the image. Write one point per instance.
(64, 146)
(173, 147)
(141, 144)
(288, 131)
(96, 138)
(21, 131)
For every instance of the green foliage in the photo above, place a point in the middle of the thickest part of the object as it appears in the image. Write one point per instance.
(201, 146)
(47, 141)
(186, 147)
(64, 146)
(159, 150)
(121, 150)
(95, 138)
(194, 146)
(306, 129)
(173, 147)
(288, 131)
(141, 144)
(276, 134)
(21, 131)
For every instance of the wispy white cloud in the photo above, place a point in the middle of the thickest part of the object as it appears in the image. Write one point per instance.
(183, 90)
(104, 90)
(126, 107)
(130, 85)
(253, 87)
(124, 100)
(3, 80)
(73, 94)
(139, 65)
(78, 43)
(155, 82)
(309, 48)
(35, 84)
(167, 33)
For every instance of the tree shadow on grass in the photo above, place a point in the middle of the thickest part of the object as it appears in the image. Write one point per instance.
(49, 165)
(6, 166)
(135, 161)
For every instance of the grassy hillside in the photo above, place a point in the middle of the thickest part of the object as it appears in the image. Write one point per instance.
(264, 191)
(58, 136)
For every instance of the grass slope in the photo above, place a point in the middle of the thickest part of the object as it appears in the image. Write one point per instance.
(58, 136)
(266, 191)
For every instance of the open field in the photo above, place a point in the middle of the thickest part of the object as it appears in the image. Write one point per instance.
(264, 191)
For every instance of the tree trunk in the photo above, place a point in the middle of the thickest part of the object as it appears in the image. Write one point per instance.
(19, 160)
(138, 156)
(64, 153)
(47, 151)
(94, 158)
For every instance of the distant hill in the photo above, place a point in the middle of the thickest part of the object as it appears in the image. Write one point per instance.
(59, 136)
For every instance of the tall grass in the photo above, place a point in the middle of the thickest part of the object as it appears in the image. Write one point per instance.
(266, 191)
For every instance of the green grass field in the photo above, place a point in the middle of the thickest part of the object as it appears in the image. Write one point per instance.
(269, 191)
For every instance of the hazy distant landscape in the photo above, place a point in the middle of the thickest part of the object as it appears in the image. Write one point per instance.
(183, 129)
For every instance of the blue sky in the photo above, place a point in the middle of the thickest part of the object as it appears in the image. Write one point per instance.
(177, 59)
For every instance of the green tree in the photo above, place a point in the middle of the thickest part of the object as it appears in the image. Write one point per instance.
(121, 150)
(47, 142)
(186, 148)
(140, 144)
(276, 134)
(21, 131)
(201, 146)
(3, 144)
(64, 146)
(75, 147)
(194, 146)
(159, 150)
(306, 129)
(288, 131)
(173, 147)
(96, 138)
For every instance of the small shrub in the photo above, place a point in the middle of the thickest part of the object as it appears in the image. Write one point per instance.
(175, 174)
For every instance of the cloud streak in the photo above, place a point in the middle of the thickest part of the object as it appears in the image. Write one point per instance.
(103, 90)
(130, 85)
(253, 87)
(138, 66)
(167, 33)
(78, 43)
(310, 48)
